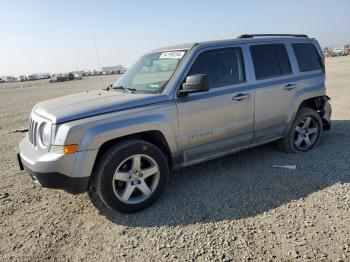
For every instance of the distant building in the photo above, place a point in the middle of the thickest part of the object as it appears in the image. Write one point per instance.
(119, 69)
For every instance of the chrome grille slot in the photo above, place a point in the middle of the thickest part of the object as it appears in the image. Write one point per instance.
(30, 130)
(33, 132)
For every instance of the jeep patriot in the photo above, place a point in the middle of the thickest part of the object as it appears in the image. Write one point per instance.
(178, 106)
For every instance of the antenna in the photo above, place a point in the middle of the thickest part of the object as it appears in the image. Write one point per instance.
(98, 57)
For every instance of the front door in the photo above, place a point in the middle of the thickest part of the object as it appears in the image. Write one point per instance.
(222, 119)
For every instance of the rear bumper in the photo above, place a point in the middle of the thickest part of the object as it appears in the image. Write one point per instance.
(326, 114)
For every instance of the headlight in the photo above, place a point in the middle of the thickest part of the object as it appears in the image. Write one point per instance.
(45, 133)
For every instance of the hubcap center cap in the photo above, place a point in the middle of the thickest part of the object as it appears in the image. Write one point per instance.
(135, 176)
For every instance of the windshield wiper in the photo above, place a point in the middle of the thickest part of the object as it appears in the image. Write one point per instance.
(127, 89)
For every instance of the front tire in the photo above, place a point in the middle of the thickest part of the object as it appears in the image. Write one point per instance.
(305, 132)
(131, 175)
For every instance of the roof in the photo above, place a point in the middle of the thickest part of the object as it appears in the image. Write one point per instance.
(188, 46)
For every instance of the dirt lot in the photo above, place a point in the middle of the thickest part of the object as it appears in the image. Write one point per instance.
(233, 208)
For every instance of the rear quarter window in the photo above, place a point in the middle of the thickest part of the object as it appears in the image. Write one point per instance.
(307, 57)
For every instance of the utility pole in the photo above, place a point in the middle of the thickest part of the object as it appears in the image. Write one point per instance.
(98, 57)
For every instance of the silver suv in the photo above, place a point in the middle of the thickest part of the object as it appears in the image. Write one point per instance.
(175, 107)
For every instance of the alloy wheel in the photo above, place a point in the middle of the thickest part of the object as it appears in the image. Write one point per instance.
(136, 179)
(306, 133)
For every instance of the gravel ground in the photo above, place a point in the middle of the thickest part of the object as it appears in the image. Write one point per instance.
(230, 209)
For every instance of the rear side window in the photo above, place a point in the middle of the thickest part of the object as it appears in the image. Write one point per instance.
(270, 60)
(307, 57)
(223, 66)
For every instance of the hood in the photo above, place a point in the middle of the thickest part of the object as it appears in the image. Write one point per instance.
(90, 103)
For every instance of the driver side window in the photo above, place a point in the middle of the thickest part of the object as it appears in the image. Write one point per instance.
(223, 66)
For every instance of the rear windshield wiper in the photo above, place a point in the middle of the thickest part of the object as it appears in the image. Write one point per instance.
(127, 89)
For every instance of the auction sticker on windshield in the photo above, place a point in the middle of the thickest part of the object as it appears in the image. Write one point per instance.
(172, 54)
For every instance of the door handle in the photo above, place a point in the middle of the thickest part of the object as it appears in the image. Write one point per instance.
(240, 97)
(289, 87)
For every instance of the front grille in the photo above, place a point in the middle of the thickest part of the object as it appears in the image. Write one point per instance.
(33, 132)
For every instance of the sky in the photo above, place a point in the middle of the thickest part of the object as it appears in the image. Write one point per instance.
(57, 36)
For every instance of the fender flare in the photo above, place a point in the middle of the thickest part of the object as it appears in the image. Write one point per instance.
(95, 136)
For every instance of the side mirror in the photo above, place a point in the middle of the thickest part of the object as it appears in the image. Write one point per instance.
(194, 84)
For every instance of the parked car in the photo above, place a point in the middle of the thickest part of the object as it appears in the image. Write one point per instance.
(62, 77)
(70, 76)
(53, 79)
(78, 76)
(57, 78)
(32, 77)
(339, 52)
(176, 107)
(2, 80)
(66, 77)
(22, 78)
(10, 79)
(44, 76)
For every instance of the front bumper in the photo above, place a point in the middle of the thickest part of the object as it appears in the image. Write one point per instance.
(70, 172)
(59, 181)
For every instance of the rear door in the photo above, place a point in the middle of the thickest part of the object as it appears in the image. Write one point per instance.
(274, 89)
(220, 120)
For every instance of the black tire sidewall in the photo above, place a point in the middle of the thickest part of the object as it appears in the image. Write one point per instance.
(110, 161)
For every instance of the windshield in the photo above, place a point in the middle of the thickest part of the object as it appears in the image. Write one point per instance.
(151, 73)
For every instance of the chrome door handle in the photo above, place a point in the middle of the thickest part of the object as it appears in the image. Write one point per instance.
(289, 87)
(240, 97)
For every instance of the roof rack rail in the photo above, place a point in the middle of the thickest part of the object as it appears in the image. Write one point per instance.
(261, 35)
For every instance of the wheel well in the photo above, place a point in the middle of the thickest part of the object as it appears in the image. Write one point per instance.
(154, 137)
(312, 103)
(317, 104)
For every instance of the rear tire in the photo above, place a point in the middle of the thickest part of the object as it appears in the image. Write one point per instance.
(305, 132)
(131, 175)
